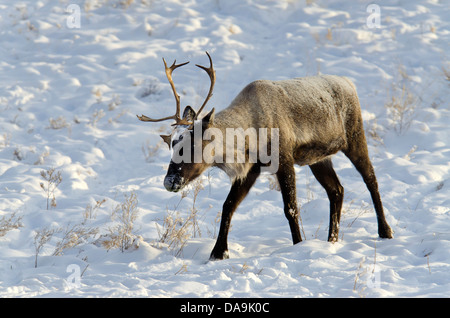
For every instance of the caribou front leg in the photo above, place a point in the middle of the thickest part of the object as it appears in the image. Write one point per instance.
(286, 179)
(238, 192)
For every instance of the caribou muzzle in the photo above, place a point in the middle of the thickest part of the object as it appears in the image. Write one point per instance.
(173, 183)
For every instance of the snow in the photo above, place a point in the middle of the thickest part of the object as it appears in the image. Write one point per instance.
(69, 98)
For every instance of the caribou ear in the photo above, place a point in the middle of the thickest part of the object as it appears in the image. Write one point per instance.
(167, 139)
(208, 120)
(189, 114)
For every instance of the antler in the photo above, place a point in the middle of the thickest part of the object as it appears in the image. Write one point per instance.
(212, 76)
(176, 116)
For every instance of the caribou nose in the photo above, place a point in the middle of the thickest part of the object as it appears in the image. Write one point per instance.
(172, 183)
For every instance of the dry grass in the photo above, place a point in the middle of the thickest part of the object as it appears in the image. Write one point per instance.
(446, 72)
(176, 230)
(53, 179)
(149, 150)
(41, 237)
(6, 140)
(148, 87)
(96, 116)
(374, 132)
(402, 101)
(90, 211)
(401, 107)
(367, 276)
(273, 182)
(196, 187)
(8, 223)
(73, 236)
(59, 123)
(122, 235)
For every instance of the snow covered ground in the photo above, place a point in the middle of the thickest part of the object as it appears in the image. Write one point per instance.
(75, 73)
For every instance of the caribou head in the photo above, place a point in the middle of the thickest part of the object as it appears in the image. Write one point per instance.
(184, 167)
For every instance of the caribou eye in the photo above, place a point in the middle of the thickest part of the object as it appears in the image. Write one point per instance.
(174, 142)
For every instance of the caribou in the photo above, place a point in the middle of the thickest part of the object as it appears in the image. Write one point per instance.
(313, 117)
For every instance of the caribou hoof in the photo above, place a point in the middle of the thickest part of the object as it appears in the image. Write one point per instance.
(219, 256)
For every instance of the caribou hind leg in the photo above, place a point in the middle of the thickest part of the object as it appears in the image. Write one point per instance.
(358, 154)
(325, 174)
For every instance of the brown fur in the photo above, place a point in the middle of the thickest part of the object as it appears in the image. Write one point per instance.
(316, 117)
